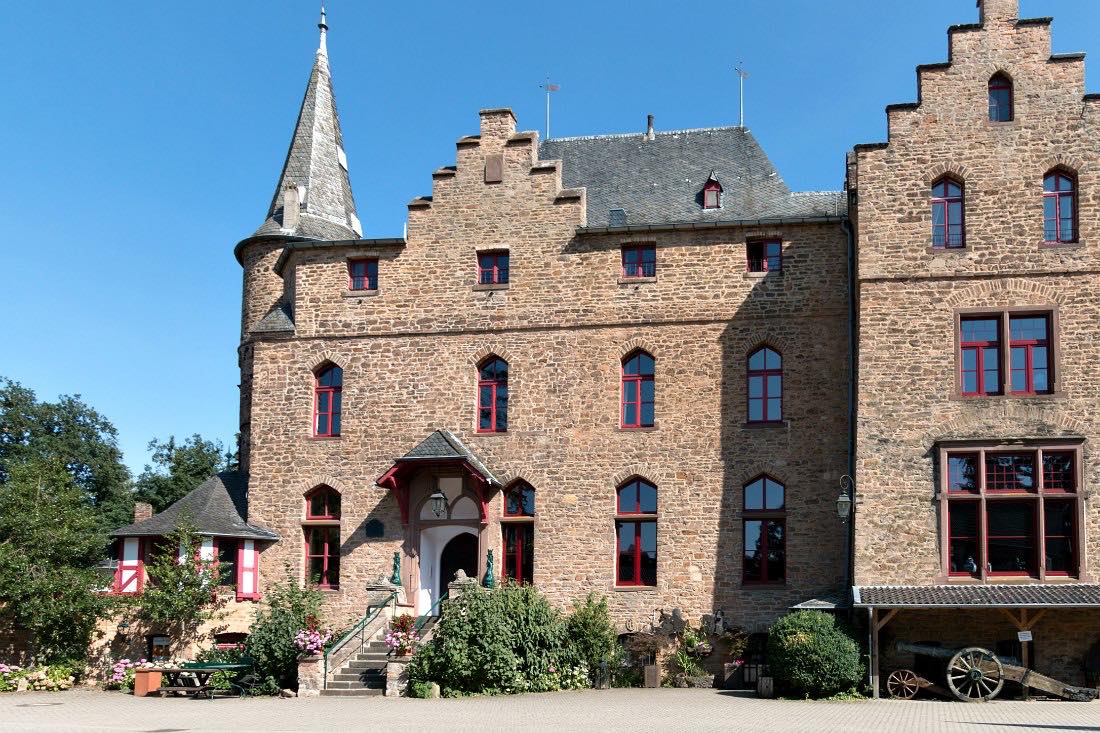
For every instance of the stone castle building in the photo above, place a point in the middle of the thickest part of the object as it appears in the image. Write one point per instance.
(639, 365)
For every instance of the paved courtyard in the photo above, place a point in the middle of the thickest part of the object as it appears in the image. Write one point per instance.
(619, 710)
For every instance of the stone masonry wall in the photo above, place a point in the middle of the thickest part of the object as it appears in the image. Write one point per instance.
(909, 294)
(564, 323)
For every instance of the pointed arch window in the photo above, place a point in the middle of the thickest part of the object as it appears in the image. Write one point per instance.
(327, 401)
(492, 396)
(1000, 99)
(765, 386)
(638, 391)
(948, 230)
(323, 503)
(636, 534)
(1059, 207)
(518, 532)
(765, 531)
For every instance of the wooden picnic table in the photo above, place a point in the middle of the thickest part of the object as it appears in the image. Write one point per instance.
(194, 677)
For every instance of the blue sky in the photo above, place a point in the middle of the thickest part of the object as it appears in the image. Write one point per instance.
(143, 140)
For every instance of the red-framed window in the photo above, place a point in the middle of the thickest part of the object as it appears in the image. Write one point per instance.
(492, 396)
(363, 274)
(638, 391)
(765, 255)
(712, 195)
(519, 501)
(492, 268)
(980, 355)
(1004, 516)
(323, 556)
(326, 402)
(1059, 208)
(639, 260)
(1029, 341)
(323, 502)
(518, 530)
(764, 529)
(1000, 99)
(765, 386)
(636, 534)
(948, 229)
(226, 554)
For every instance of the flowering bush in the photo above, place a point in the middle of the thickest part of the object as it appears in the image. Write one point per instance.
(10, 676)
(122, 672)
(402, 637)
(575, 677)
(55, 677)
(311, 640)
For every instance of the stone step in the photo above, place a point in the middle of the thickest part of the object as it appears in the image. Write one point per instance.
(365, 677)
(362, 665)
(375, 659)
(361, 692)
(356, 684)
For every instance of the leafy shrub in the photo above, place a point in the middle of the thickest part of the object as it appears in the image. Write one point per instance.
(231, 655)
(591, 636)
(811, 655)
(508, 639)
(270, 641)
(420, 689)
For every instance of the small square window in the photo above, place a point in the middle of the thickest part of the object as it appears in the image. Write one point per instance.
(639, 260)
(492, 268)
(363, 274)
(765, 256)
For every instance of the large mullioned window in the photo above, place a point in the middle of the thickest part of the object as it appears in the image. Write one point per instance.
(1030, 365)
(636, 533)
(322, 538)
(764, 526)
(518, 530)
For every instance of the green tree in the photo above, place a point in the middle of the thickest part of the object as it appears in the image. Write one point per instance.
(178, 468)
(50, 541)
(73, 434)
(270, 641)
(179, 593)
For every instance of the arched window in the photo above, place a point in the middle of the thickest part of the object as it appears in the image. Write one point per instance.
(326, 402)
(1000, 98)
(765, 531)
(518, 530)
(636, 533)
(322, 537)
(1059, 207)
(638, 390)
(765, 386)
(947, 214)
(323, 503)
(492, 396)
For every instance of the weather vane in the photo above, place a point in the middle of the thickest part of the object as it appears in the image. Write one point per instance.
(742, 75)
(549, 88)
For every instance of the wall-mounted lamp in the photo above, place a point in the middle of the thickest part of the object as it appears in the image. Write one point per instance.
(845, 500)
(439, 503)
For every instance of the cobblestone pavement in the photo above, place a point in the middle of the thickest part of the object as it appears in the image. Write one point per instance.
(616, 710)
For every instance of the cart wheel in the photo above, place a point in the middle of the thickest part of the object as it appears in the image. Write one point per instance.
(975, 675)
(902, 684)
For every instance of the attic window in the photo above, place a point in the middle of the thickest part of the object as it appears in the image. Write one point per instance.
(712, 194)
(616, 217)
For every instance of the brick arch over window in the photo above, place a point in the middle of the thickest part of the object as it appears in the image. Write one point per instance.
(1033, 419)
(637, 344)
(949, 169)
(1070, 163)
(981, 294)
(317, 360)
(309, 483)
(489, 350)
(759, 338)
(323, 502)
(762, 469)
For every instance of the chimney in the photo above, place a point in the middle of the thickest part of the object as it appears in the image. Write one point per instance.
(998, 11)
(292, 203)
(142, 511)
(649, 127)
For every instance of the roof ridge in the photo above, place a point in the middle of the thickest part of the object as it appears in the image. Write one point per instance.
(616, 135)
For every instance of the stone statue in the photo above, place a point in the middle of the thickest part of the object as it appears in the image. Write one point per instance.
(490, 576)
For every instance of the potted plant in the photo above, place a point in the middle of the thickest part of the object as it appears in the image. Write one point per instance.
(402, 637)
(311, 640)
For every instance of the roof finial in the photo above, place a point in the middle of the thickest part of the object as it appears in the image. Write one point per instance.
(323, 25)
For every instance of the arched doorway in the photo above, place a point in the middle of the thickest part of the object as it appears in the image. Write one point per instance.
(458, 554)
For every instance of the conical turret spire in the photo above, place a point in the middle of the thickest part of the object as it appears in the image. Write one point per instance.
(313, 197)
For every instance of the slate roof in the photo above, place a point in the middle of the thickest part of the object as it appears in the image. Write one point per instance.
(314, 162)
(824, 602)
(444, 445)
(217, 506)
(278, 320)
(660, 181)
(978, 596)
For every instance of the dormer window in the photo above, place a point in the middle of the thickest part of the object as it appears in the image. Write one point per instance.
(712, 193)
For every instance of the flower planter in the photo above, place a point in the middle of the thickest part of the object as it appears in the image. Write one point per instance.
(145, 682)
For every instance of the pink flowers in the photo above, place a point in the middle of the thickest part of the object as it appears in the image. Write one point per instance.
(312, 641)
(402, 637)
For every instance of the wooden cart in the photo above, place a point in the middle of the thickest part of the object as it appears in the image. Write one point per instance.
(974, 674)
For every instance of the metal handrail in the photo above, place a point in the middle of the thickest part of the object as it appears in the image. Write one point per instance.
(358, 628)
(422, 621)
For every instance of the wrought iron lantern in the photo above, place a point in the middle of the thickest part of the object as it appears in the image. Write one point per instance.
(123, 629)
(844, 501)
(439, 503)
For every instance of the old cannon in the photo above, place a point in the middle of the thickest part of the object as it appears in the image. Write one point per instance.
(974, 674)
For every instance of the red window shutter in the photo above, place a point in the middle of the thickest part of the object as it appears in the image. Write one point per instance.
(130, 577)
(248, 571)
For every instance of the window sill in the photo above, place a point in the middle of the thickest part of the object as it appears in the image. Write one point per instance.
(320, 522)
(933, 250)
(1062, 245)
(324, 437)
(772, 425)
(996, 397)
(753, 275)
(636, 280)
(758, 585)
(360, 293)
(639, 429)
(634, 588)
(490, 433)
(490, 287)
(319, 589)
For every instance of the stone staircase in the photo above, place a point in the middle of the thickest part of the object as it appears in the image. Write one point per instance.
(363, 675)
